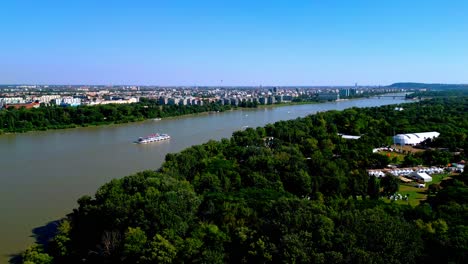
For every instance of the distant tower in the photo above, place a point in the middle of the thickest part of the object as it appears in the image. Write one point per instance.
(355, 85)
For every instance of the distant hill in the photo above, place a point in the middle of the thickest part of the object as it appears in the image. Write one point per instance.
(411, 85)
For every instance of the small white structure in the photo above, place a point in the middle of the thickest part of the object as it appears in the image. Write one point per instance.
(459, 167)
(413, 138)
(421, 176)
(349, 136)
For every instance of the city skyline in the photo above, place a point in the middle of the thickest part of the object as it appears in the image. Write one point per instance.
(210, 43)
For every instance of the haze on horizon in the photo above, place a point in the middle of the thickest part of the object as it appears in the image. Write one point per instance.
(245, 43)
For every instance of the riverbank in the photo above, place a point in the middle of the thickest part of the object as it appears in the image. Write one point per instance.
(53, 117)
(112, 123)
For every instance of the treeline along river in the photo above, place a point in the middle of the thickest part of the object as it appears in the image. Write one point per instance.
(42, 174)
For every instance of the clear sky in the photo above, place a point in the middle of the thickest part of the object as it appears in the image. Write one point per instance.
(172, 42)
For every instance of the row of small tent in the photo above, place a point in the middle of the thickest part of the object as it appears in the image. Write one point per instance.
(397, 196)
(418, 176)
(398, 172)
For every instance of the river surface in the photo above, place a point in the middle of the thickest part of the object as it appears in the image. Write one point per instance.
(42, 174)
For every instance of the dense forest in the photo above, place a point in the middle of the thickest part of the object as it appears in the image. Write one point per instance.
(431, 86)
(437, 93)
(56, 117)
(289, 192)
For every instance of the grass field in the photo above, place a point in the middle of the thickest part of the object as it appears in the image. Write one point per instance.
(416, 195)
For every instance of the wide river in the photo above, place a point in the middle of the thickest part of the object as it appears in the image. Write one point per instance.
(42, 174)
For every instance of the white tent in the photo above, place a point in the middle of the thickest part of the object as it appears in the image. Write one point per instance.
(407, 171)
(349, 136)
(377, 174)
(413, 138)
(421, 176)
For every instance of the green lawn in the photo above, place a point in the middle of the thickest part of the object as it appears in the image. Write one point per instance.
(416, 195)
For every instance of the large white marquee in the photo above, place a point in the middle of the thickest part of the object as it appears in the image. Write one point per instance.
(413, 138)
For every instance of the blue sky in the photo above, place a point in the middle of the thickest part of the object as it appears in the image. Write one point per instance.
(171, 42)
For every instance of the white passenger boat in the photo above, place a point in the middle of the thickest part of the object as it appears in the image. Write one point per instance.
(153, 138)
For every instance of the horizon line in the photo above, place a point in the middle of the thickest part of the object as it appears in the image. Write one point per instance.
(259, 85)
